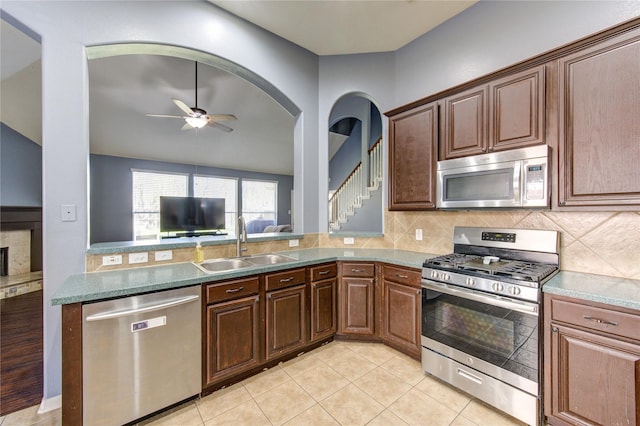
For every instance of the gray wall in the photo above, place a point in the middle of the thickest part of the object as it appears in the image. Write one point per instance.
(112, 197)
(20, 169)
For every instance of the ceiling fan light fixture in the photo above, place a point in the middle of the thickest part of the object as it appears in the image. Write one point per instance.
(196, 122)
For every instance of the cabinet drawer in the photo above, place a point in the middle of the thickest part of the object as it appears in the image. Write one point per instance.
(357, 270)
(285, 279)
(594, 318)
(231, 290)
(323, 272)
(402, 276)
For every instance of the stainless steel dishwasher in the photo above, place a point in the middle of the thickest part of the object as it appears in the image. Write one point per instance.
(140, 354)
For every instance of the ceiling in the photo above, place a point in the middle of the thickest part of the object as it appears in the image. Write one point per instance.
(123, 89)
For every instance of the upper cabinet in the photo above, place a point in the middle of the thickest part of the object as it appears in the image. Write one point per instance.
(599, 124)
(507, 113)
(412, 158)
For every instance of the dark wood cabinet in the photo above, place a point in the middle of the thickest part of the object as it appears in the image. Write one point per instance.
(401, 309)
(599, 129)
(286, 312)
(592, 360)
(232, 329)
(357, 299)
(324, 301)
(413, 141)
(506, 113)
(465, 129)
(517, 110)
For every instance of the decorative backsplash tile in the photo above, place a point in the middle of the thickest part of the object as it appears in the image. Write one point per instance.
(604, 243)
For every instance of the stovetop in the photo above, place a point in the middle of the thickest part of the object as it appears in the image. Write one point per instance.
(498, 268)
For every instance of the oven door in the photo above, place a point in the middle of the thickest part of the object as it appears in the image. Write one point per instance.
(492, 334)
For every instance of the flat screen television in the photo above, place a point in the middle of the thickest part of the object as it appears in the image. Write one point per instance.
(192, 215)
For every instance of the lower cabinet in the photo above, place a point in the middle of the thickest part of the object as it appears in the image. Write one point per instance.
(286, 312)
(232, 329)
(592, 364)
(357, 294)
(401, 308)
(324, 301)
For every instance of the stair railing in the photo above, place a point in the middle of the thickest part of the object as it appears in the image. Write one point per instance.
(375, 164)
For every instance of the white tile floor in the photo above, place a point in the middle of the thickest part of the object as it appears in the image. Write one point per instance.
(342, 383)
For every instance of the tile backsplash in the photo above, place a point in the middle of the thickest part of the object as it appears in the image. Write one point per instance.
(603, 243)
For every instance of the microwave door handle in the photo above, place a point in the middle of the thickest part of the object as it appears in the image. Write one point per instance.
(518, 183)
(514, 305)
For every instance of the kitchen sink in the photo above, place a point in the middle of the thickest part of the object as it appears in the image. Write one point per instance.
(268, 259)
(213, 266)
(223, 265)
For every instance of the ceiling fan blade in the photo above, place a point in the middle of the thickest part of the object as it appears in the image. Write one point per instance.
(163, 116)
(184, 107)
(221, 117)
(220, 126)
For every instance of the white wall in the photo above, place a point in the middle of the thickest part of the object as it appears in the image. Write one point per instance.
(66, 28)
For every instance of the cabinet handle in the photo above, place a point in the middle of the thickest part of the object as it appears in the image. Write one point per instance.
(323, 272)
(234, 290)
(402, 276)
(286, 280)
(554, 329)
(418, 292)
(598, 320)
(357, 270)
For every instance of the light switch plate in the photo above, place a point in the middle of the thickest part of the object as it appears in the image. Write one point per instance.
(419, 234)
(69, 212)
(294, 243)
(138, 257)
(349, 240)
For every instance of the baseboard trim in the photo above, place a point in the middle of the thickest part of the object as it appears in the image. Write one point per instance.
(50, 404)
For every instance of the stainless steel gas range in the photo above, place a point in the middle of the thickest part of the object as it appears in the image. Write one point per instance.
(481, 315)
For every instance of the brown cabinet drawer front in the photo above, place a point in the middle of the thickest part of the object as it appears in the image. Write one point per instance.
(358, 270)
(402, 276)
(285, 279)
(608, 321)
(323, 272)
(232, 290)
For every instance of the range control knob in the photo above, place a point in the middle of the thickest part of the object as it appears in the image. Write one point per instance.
(470, 282)
(446, 277)
(497, 287)
(434, 274)
(515, 290)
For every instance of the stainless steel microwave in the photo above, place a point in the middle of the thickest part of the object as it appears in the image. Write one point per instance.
(513, 178)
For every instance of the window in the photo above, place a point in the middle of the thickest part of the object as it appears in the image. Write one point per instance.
(147, 188)
(220, 187)
(259, 204)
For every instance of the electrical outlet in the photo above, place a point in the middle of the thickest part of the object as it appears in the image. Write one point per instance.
(114, 259)
(163, 255)
(138, 257)
(349, 240)
(294, 243)
(419, 234)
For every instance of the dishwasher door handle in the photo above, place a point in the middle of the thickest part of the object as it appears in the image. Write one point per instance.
(125, 312)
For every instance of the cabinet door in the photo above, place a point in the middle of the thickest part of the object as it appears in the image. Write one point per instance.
(401, 316)
(465, 130)
(517, 108)
(599, 124)
(413, 139)
(232, 338)
(324, 314)
(594, 379)
(286, 320)
(357, 302)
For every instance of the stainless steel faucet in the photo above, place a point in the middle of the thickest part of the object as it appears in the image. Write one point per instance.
(242, 237)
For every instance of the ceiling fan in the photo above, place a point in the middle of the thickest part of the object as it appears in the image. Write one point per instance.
(196, 118)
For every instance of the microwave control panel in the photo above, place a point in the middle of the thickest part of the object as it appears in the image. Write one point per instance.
(534, 181)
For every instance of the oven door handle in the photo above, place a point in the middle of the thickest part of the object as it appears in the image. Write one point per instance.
(491, 299)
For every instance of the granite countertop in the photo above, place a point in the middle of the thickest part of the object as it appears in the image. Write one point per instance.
(614, 291)
(94, 286)
(15, 285)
